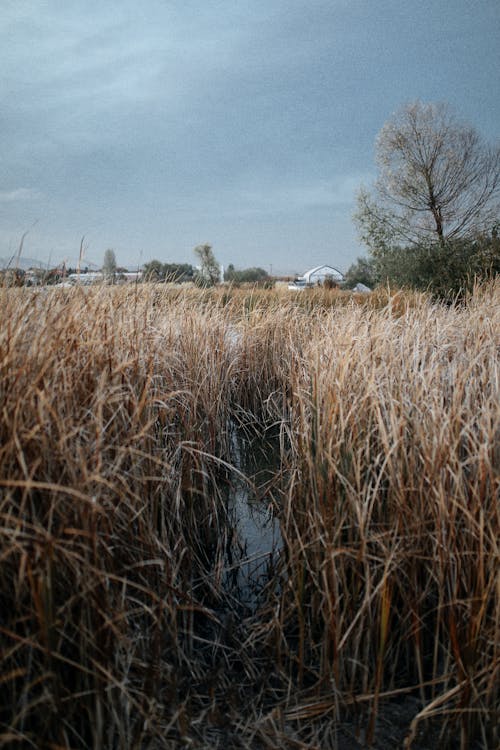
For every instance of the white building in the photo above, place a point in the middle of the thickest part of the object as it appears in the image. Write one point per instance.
(317, 277)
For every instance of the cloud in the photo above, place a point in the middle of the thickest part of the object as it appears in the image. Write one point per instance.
(297, 196)
(153, 126)
(19, 194)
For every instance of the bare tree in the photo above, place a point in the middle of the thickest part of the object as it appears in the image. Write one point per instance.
(437, 179)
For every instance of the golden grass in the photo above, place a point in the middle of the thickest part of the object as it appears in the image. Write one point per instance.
(115, 439)
(393, 514)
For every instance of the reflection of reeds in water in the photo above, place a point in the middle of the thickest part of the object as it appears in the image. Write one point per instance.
(115, 626)
(250, 495)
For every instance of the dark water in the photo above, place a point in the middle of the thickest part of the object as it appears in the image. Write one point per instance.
(252, 498)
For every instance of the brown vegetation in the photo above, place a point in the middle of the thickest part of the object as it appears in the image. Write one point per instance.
(116, 628)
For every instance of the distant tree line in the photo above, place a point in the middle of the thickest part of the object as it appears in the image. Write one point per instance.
(155, 270)
(206, 274)
(447, 270)
(254, 275)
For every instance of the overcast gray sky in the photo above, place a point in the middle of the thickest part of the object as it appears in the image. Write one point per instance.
(152, 127)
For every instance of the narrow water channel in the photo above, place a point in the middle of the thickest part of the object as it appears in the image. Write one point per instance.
(251, 503)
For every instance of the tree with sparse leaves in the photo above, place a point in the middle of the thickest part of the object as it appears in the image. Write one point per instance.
(209, 273)
(109, 265)
(438, 181)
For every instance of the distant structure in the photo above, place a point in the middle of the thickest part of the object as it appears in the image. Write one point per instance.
(318, 276)
(93, 277)
(361, 288)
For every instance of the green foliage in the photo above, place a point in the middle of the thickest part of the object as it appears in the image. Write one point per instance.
(155, 270)
(252, 275)
(363, 271)
(377, 228)
(447, 270)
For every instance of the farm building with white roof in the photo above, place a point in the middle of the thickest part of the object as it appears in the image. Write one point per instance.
(320, 273)
(317, 277)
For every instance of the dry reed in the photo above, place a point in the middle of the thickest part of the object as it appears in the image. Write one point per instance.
(115, 445)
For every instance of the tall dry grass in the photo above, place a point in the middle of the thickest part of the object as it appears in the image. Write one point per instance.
(109, 534)
(117, 410)
(391, 519)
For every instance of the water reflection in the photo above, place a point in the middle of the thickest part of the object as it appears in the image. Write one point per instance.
(256, 540)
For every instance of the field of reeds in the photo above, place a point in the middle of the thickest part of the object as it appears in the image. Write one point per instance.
(378, 622)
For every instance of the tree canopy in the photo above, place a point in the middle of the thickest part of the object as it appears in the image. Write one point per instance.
(437, 180)
(155, 270)
(252, 275)
(362, 271)
(448, 271)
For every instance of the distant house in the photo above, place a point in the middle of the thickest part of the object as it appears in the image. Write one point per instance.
(317, 277)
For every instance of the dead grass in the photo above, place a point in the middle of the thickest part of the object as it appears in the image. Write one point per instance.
(117, 406)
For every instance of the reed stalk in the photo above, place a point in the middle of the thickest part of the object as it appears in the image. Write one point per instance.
(117, 419)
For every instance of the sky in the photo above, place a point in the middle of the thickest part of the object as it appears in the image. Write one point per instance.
(153, 127)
